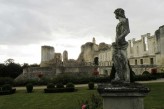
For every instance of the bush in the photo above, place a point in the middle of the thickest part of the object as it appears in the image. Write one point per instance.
(70, 85)
(59, 85)
(145, 73)
(57, 90)
(144, 77)
(6, 87)
(50, 86)
(6, 80)
(29, 87)
(91, 85)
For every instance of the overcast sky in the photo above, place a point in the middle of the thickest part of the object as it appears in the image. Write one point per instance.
(26, 25)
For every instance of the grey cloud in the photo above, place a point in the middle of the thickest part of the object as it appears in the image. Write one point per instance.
(34, 21)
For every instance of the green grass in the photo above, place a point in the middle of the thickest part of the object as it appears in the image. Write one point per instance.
(155, 99)
(40, 100)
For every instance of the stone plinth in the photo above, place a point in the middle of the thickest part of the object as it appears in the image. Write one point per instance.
(123, 96)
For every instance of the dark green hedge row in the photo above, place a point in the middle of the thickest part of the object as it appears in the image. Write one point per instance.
(56, 90)
(64, 79)
(7, 92)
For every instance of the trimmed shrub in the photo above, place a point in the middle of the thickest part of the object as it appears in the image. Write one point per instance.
(50, 86)
(59, 85)
(29, 87)
(144, 77)
(91, 85)
(59, 90)
(145, 73)
(70, 85)
(6, 87)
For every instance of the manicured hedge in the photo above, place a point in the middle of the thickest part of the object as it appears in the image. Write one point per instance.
(29, 87)
(57, 90)
(7, 92)
(91, 85)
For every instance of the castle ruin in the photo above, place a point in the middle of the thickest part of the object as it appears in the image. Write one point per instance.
(144, 53)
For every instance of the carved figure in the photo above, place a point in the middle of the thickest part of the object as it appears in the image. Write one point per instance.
(120, 45)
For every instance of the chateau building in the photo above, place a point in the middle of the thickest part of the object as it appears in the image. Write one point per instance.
(143, 54)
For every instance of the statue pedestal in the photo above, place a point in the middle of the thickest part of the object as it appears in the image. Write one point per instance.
(123, 96)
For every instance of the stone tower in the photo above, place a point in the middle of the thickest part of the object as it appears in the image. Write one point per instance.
(65, 56)
(94, 40)
(47, 55)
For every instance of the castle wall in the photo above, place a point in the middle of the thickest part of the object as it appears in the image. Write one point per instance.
(88, 52)
(160, 55)
(141, 53)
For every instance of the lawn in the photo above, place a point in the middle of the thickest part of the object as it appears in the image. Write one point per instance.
(155, 99)
(40, 100)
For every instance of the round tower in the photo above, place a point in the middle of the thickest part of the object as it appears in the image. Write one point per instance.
(94, 40)
(65, 56)
(47, 53)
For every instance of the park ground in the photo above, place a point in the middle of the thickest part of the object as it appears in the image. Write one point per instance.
(71, 100)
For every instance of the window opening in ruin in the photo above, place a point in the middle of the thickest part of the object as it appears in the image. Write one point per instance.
(151, 61)
(135, 62)
(96, 61)
(141, 61)
(137, 50)
(146, 44)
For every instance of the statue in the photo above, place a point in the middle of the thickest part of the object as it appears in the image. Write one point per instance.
(120, 45)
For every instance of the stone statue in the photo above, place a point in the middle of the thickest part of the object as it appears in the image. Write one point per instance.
(120, 45)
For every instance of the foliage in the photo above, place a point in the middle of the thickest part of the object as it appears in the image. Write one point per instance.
(79, 79)
(58, 90)
(34, 65)
(10, 69)
(144, 77)
(6, 87)
(40, 100)
(91, 85)
(29, 87)
(145, 73)
(6, 80)
(59, 85)
(94, 102)
(50, 85)
(70, 85)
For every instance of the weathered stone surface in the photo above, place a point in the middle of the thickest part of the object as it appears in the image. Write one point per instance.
(119, 56)
(123, 96)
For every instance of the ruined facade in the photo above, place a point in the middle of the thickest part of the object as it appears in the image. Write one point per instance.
(143, 54)
(49, 58)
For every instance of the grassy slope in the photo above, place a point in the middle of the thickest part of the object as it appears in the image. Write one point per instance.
(40, 100)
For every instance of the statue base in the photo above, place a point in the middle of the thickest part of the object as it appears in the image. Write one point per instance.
(123, 96)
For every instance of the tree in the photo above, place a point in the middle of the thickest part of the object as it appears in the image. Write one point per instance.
(25, 65)
(10, 69)
(8, 61)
